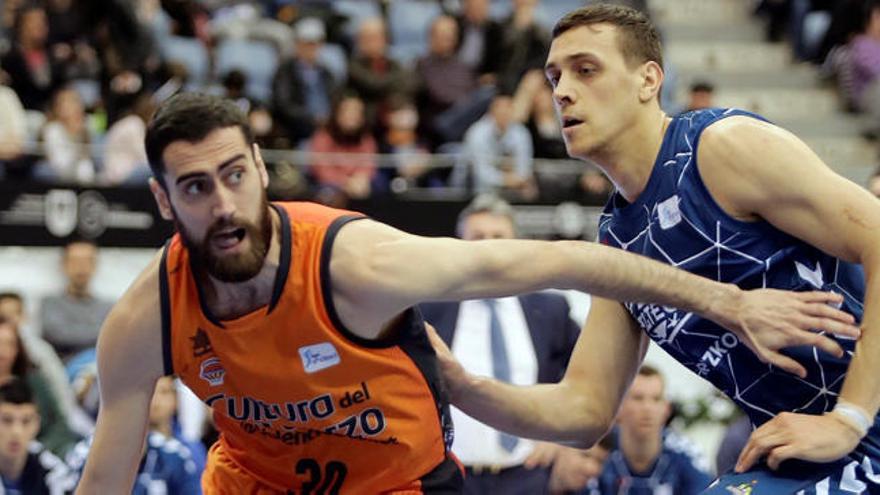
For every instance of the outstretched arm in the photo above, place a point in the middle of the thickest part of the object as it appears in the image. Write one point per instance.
(378, 271)
(581, 408)
(129, 363)
(748, 166)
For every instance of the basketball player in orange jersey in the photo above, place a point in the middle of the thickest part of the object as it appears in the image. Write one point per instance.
(294, 322)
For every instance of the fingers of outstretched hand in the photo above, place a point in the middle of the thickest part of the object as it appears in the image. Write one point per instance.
(832, 320)
(762, 441)
(783, 362)
(823, 342)
(819, 296)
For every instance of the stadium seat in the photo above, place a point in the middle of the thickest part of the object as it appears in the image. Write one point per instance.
(257, 59)
(192, 54)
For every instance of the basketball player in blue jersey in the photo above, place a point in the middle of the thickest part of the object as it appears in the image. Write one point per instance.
(729, 196)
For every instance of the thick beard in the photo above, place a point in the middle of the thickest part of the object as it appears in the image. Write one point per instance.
(232, 268)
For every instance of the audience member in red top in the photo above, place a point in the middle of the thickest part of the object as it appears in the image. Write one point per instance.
(346, 132)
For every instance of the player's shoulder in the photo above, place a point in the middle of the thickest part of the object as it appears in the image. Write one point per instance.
(132, 329)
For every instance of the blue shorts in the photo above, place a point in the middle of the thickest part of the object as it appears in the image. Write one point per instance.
(850, 475)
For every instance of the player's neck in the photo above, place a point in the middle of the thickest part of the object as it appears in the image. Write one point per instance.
(629, 160)
(228, 301)
(11, 468)
(640, 452)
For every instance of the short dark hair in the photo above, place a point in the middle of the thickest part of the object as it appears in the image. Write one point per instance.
(702, 86)
(639, 40)
(190, 117)
(16, 391)
(15, 296)
(648, 370)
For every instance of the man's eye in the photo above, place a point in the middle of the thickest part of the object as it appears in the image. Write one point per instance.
(194, 188)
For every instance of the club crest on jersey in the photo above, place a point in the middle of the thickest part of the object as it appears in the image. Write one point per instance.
(668, 213)
(742, 488)
(318, 356)
(212, 371)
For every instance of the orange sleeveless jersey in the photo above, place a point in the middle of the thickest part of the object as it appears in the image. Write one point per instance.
(301, 403)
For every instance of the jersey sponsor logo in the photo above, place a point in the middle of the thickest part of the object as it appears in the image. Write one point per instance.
(211, 370)
(668, 212)
(662, 323)
(813, 276)
(742, 488)
(716, 352)
(318, 356)
(352, 413)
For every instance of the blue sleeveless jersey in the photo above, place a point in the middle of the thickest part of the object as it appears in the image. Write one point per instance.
(675, 220)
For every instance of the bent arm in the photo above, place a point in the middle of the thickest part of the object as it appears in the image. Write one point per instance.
(579, 409)
(748, 166)
(129, 363)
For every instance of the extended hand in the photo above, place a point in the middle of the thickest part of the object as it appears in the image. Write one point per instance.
(798, 436)
(767, 320)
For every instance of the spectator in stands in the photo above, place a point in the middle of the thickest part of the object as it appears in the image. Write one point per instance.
(302, 90)
(129, 57)
(125, 158)
(26, 467)
(54, 433)
(13, 134)
(448, 95)
(163, 420)
(35, 74)
(500, 152)
(44, 357)
(372, 74)
(544, 125)
(575, 469)
(346, 132)
(70, 320)
(847, 20)
(777, 14)
(485, 335)
(646, 460)
(410, 157)
(863, 65)
(234, 83)
(68, 40)
(66, 140)
(167, 466)
(479, 39)
(524, 45)
(700, 96)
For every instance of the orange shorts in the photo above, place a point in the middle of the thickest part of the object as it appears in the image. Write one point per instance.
(223, 476)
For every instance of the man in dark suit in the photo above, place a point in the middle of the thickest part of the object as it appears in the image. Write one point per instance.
(522, 340)
(479, 39)
(303, 89)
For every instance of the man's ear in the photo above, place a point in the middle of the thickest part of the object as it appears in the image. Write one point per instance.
(261, 166)
(652, 80)
(161, 197)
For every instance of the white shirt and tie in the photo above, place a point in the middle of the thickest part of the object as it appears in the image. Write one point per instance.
(514, 356)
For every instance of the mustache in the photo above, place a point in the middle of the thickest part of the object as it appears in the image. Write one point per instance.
(224, 224)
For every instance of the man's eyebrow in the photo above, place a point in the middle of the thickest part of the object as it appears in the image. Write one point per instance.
(570, 58)
(222, 165)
